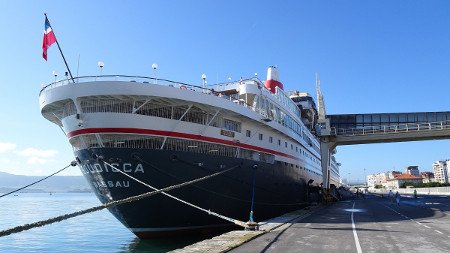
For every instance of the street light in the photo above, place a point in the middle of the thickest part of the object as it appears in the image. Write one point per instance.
(365, 177)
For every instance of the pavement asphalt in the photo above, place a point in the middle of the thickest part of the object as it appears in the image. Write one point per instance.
(372, 224)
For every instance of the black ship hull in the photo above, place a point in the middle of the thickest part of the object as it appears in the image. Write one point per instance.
(278, 188)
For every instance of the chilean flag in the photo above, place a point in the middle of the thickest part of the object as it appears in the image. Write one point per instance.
(49, 38)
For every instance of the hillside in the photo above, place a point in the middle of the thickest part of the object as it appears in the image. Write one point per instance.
(10, 182)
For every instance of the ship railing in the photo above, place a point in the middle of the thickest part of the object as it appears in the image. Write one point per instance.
(125, 78)
(391, 129)
(215, 89)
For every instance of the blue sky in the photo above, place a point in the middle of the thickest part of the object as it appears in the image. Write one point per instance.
(372, 56)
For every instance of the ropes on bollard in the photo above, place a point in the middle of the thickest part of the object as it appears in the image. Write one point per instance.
(73, 163)
(109, 204)
(237, 222)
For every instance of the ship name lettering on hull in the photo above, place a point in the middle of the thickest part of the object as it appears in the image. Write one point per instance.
(98, 168)
(111, 184)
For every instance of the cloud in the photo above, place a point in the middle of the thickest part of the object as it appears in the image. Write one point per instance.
(34, 152)
(7, 146)
(37, 156)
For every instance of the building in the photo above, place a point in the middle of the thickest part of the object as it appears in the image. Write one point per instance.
(399, 180)
(440, 169)
(427, 177)
(412, 170)
(376, 179)
(393, 174)
(381, 178)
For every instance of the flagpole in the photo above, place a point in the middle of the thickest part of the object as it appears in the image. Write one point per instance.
(65, 62)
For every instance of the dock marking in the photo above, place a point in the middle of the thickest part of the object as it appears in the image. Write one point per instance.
(358, 246)
(438, 231)
(426, 226)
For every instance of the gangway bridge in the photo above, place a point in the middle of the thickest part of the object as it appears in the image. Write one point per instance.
(351, 129)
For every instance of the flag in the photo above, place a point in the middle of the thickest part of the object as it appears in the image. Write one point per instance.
(49, 38)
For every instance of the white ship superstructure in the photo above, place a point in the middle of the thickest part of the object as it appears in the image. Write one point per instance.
(246, 122)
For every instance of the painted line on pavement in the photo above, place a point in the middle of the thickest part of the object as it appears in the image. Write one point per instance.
(437, 231)
(358, 246)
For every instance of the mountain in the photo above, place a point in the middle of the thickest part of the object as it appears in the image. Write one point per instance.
(9, 182)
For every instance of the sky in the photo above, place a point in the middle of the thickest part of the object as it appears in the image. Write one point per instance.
(372, 56)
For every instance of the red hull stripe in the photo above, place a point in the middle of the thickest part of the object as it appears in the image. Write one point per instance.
(178, 135)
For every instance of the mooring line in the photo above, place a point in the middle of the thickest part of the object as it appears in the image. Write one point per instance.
(73, 163)
(216, 193)
(106, 205)
(235, 221)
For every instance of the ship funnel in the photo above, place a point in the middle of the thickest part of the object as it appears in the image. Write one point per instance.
(273, 79)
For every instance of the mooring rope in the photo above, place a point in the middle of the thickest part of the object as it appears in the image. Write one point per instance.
(217, 193)
(235, 221)
(73, 163)
(106, 205)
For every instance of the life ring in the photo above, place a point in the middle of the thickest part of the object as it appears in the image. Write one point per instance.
(183, 87)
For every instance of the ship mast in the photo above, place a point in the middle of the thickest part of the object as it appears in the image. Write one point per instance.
(320, 102)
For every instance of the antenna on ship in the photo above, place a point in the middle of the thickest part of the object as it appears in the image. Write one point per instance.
(320, 101)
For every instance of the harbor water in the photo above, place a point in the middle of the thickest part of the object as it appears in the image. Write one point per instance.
(94, 232)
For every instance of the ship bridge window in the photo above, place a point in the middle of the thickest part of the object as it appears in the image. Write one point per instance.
(260, 137)
(270, 139)
(248, 133)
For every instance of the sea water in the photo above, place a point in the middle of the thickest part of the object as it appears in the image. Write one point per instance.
(94, 232)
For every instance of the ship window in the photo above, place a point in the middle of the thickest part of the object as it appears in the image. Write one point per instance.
(260, 137)
(285, 144)
(248, 133)
(296, 149)
(270, 139)
(279, 142)
(231, 125)
(292, 146)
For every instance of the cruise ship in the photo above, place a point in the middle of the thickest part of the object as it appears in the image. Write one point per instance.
(164, 133)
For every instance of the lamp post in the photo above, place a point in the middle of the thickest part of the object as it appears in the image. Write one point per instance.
(154, 67)
(365, 177)
(101, 64)
(204, 80)
(55, 74)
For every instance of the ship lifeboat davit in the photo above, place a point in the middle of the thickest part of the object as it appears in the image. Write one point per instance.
(273, 79)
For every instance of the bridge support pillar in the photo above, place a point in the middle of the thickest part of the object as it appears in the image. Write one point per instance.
(326, 147)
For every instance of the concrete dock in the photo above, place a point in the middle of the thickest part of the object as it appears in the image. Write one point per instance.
(373, 224)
